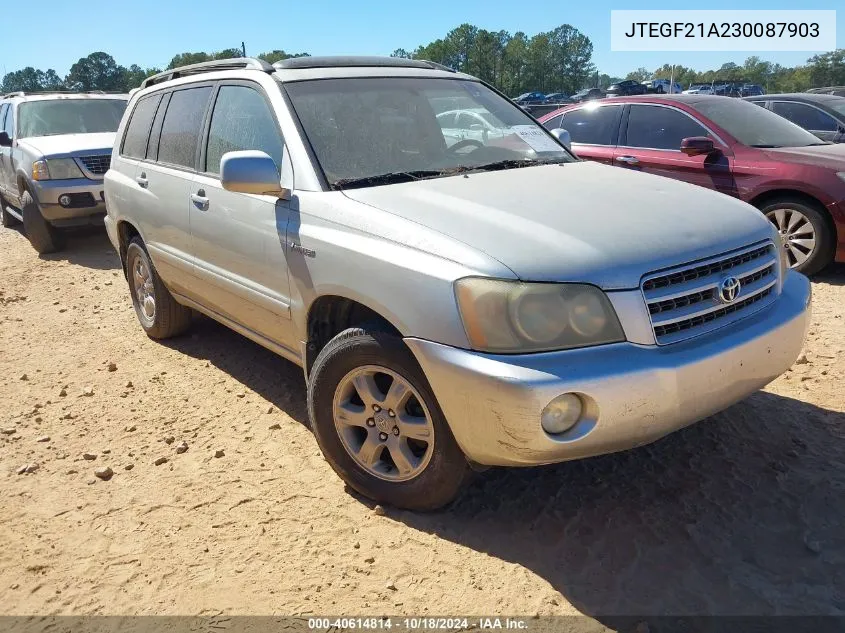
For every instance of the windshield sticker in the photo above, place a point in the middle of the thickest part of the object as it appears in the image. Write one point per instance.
(536, 138)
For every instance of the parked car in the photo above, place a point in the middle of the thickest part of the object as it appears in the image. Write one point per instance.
(662, 86)
(448, 308)
(823, 115)
(54, 150)
(729, 145)
(699, 89)
(530, 98)
(624, 88)
(557, 97)
(728, 89)
(837, 91)
(751, 90)
(588, 94)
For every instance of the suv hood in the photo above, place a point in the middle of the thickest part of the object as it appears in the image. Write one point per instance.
(59, 145)
(832, 156)
(576, 222)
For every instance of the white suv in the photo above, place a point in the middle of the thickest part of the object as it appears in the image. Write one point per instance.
(490, 301)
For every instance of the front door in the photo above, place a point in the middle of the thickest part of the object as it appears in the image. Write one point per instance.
(238, 240)
(651, 142)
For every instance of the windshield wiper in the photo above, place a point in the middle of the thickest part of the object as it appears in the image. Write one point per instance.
(764, 146)
(385, 179)
(508, 164)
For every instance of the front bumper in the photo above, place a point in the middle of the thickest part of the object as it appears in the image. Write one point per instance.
(88, 202)
(638, 393)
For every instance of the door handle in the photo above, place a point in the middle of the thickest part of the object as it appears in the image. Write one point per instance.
(200, 200)
(628, 160)
(142, 180)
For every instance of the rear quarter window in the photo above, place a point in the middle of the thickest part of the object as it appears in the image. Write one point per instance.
(138, 130)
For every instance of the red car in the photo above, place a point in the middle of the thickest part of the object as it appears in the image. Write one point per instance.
(732, 146)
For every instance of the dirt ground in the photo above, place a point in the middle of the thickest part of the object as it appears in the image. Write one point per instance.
(740, 514)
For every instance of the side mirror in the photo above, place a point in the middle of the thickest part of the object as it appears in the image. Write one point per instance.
(697, 145)
(5, 141)
(251, 172)
(563, 136)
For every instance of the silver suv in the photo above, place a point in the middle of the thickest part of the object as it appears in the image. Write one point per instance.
(54, 149)
(484, 301)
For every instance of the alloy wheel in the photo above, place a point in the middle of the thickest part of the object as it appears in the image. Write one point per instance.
(796, 232)
(142, 280)
(383, 423)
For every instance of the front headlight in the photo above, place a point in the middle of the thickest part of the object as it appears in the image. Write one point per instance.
(56, 169)
(509, 316)
(841, 174)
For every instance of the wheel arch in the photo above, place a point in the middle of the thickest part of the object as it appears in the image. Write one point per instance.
(330, 314)
(125, 232)
(765, 197)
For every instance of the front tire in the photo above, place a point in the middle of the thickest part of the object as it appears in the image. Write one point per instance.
(378, 423)
(158, 312)
(806, 233)
(43, 236)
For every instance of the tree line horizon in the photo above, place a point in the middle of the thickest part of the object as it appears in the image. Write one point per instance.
(559, 60)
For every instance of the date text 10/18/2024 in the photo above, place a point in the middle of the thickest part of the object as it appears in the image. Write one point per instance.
(418, 624)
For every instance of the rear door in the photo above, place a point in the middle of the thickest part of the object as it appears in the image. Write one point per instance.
(165, 178)
(594, 129)
(650, 141)
(811, 118)
(238, 240)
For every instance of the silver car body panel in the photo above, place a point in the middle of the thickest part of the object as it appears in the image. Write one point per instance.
(638, 393)
(258, 264)
(564, 223)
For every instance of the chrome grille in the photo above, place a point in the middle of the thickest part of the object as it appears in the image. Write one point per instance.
(684, 302)
(96, 164)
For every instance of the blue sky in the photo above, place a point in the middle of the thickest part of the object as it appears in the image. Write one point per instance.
(151, 32)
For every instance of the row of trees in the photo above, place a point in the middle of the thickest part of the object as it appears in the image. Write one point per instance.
(557, 60)
(552, 61)
(827, 69)
(99, 71)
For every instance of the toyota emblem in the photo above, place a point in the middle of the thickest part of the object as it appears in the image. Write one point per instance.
(729, 289)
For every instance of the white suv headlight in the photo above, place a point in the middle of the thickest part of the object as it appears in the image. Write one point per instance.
(56, 169)
(510, 316)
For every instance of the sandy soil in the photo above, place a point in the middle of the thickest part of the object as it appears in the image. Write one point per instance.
(740, 514)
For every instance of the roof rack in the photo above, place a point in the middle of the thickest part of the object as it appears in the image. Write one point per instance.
(235, 63)
(27, 93)
(298, 63)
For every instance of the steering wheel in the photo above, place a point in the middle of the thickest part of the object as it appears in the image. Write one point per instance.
(464, 144)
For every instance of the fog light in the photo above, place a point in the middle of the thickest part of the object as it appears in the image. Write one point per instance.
(64, 200)
(561, 414)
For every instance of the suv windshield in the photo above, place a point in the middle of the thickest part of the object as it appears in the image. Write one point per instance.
(370, 131)
(49, 117)
(754, 126)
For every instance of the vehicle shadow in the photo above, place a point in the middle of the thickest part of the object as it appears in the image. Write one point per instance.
(741, 514)
(89, 247)
(833, 275)
(272, 377)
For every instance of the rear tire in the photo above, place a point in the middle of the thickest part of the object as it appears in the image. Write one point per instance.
(359, 439)
(808, 236)
(158, 312)
(8, 220)
(43, 236)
